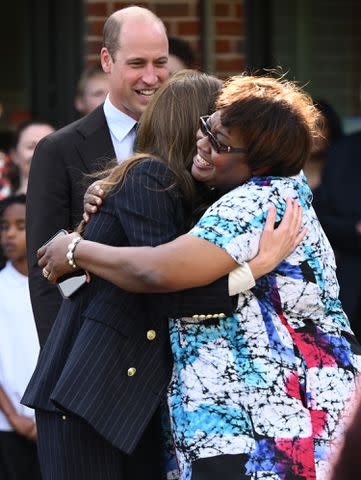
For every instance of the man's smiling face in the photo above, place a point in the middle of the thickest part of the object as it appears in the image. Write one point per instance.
(139, 67)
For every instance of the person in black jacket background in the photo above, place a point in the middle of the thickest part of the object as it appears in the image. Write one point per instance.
(339, 211)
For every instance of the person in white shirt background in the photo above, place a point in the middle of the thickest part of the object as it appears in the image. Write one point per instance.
(19, 348)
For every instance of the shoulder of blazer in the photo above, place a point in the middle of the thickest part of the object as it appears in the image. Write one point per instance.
(92, 123)
(84, 127)
(90, 137)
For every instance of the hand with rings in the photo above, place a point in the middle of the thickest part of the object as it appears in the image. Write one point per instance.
(45, 273)
(53, 260)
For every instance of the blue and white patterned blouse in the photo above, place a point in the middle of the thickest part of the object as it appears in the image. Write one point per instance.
(271, 381)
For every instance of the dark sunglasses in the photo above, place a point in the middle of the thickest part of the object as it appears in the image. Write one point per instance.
(216, 145)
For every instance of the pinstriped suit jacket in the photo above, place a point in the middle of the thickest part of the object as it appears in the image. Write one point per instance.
(102, 331)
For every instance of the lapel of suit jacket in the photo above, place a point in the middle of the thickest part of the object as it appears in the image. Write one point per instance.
(95, 145)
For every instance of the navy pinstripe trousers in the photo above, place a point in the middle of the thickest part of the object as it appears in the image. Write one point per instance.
(70, 449)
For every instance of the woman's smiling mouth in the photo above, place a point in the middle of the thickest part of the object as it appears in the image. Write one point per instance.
(200, 162)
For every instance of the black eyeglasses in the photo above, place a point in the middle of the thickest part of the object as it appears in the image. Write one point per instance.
(216, 145)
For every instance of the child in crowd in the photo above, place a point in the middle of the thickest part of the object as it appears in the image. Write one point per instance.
(92, 89)
(19, 348)
(25, 139)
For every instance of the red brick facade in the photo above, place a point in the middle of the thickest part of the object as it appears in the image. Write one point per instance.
(181, 18)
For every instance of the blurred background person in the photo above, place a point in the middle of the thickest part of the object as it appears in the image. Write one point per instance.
(93, 87)
(5, 187)
(330, 132)
(19, 348)
(181, 55)
(24, 141)
(6, 169)
(347, 464)
(339, 211)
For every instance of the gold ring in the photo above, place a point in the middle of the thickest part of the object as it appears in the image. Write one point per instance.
(45, 273)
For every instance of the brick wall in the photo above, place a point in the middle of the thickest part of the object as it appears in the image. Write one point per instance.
(181, 18)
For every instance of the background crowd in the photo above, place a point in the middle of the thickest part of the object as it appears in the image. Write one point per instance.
(333, 172)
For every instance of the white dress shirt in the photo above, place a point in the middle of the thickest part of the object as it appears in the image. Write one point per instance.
(122, 130)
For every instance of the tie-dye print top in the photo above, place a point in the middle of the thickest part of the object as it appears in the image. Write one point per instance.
(272, 380)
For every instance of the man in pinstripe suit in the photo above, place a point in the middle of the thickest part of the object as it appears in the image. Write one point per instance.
(111, 365)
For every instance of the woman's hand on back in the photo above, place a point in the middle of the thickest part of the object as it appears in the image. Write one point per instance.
(93, 200)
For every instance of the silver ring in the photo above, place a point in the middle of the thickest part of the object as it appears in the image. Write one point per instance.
(45, 273)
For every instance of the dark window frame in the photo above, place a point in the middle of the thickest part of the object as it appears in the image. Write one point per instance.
(57, 58)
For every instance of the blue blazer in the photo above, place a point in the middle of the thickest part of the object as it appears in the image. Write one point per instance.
(107, 358)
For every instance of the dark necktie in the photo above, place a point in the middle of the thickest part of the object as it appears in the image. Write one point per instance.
(134, 132)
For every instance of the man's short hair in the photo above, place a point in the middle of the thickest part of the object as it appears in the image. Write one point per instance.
(113, 25)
